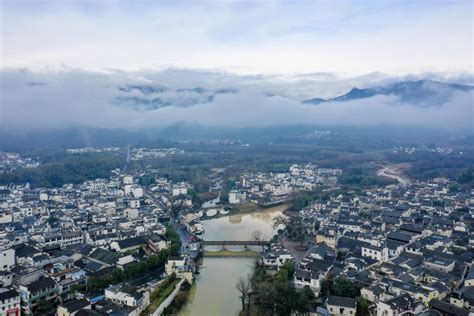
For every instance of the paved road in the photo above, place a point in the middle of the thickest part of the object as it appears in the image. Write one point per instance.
(184, 235)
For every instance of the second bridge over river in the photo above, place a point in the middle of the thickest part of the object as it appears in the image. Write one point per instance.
(229, 243)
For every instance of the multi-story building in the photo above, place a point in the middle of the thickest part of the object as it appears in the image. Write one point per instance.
(9, 302)
(276, 257)
(181, 267)
(129, 296)
(7, 258)
(401, 305)
(380, 254)
(341, 306)
(44, 289)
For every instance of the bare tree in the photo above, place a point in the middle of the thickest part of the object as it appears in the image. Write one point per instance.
(244, 288)
(256, 263)
(257, 235)
(280, 220)
(293, 226)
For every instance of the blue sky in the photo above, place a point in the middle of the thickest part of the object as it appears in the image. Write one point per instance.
(345, 37)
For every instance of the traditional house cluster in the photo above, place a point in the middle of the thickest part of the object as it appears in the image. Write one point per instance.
(271, 188)
(408, 248)
(53, 240)
(11, 161)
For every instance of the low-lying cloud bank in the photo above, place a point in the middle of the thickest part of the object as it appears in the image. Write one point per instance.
(117, 99)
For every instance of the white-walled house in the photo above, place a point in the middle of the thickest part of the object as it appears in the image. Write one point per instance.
(127, 295)
(9, 302)
(276, 257)
(7, 258)
(234, 197)
(312, 279)
(379, 254)
(127, 180)
(341, 306)
(439, 264)
(180, 190)
(180, 266)
(400, 305)
(131, 213)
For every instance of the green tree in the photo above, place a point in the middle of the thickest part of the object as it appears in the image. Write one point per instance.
(118, 275)
(343, 287)
(363, 307)
(326, 287)
(294, 226)
(289, 267)
(276, 294)
(76, 288)
(453, 187)
(305, 299)
(466, 176)
(63, 168)
(146, 180)
(44, 305)
(172, 236)
(153, 261)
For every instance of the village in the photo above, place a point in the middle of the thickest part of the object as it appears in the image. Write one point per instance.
(118, 247)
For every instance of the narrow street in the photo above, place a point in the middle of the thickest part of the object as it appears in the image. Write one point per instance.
(182, 232)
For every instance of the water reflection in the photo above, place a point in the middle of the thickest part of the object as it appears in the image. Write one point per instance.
(241, 227)
(235, 219)
(215, 293)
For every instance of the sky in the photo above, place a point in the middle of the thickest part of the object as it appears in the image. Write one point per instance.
(269, 37)
(67, 63)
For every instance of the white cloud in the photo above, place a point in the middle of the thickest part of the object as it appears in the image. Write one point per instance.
(74, 97)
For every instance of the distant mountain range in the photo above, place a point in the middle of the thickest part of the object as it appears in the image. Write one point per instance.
(422, 92)
(153, 97)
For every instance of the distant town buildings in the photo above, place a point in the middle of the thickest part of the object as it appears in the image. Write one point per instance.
(270, 188)
(12, 161)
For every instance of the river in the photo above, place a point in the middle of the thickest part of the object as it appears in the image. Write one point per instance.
(215, 293)
(393, 172)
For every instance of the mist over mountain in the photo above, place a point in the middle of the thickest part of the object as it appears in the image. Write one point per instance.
(149, 97)
(157, 99)
(421, 92)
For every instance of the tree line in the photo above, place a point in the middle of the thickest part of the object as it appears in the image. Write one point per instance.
(263, 293)
(266, 294)
(65, 169)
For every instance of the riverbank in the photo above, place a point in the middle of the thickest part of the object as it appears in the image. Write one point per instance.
(161, 293)
(215, 290)
(226, 267)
